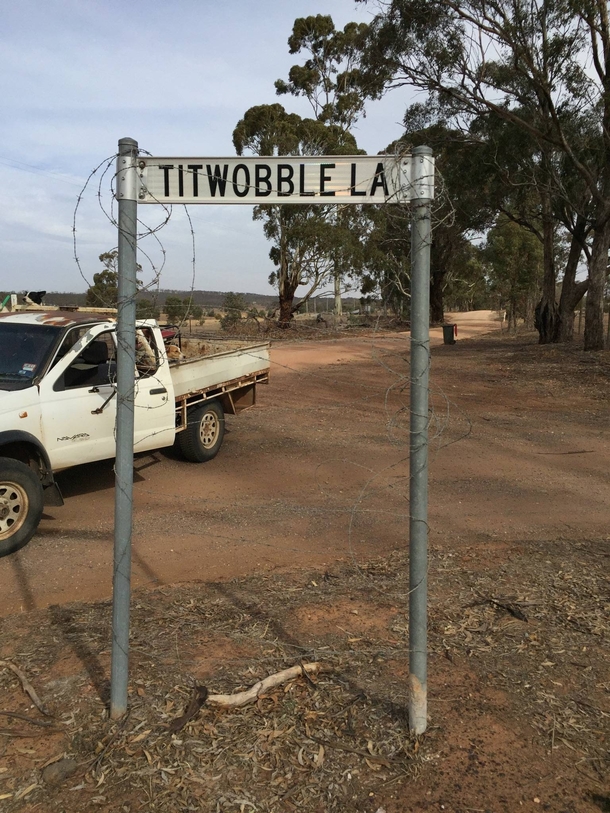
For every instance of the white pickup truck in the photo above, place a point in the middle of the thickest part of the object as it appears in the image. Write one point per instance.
(58, 403)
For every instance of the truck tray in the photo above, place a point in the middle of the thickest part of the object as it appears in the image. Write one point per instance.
(202, 372)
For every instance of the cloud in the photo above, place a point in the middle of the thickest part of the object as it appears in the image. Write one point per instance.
(76, 75)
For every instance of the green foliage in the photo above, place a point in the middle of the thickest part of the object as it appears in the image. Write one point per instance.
(179, 310)
(515, 260)
(329, 78)
(234, 302)
(146, 309)
(105, 289)
(533, 66)
(174, 309)
(267, 129)
(194, 312)
(309, 243)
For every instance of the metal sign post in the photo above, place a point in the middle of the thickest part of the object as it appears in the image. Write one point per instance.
(126, 351)
(418, 458)
(275, 180)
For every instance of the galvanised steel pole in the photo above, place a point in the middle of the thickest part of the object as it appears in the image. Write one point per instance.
(126, 183)
(418, 519)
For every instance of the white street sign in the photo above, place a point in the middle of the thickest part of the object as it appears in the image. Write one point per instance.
(286, 179)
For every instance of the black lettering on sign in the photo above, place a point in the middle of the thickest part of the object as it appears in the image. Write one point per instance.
(166, 168)
(379, 180)
(241, 193)
(324, 177)
(180, 181)
(217, 180)
(262, 174)
(353, 191)
(195, 167)
(285, 173)
(302, 191)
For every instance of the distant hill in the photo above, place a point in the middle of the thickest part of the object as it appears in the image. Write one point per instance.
(207, 299)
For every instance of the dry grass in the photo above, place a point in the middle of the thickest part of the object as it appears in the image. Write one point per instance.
(536, 625)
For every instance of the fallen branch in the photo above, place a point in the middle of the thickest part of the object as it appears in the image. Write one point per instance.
(198, 698)
(27, 687)
(340, 747)
(19, 716)
(252, 694)
(9, 732)
(579, 451)
(200, 694)
(511, 607)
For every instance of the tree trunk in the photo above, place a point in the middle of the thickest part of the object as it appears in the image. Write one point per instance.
(530, 308)
(285, 310)
(598, 270)
(571, 291)
(437, 311)
(286, 291)
(547, 313)
(338, 303)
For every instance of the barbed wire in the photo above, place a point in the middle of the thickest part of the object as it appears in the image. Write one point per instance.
(394, 413)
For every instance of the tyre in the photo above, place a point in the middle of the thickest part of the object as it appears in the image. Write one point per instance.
(21, 504)
(202, 438)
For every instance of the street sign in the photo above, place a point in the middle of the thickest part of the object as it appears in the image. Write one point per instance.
(286, 179)
(273, 180)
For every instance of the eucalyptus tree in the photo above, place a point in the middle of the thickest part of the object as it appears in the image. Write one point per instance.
(515, 266)
(535, 63)
(104, 291)
(460, 212)
(330, 77)
(519, 182)
(330, 80)
(305, 239)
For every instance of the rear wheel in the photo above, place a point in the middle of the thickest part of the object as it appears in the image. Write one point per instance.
(202, 438)
(21, 504)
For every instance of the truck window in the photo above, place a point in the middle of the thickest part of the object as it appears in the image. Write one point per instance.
(70, 339)
(147, 353)
(24, 350)
(95, 365)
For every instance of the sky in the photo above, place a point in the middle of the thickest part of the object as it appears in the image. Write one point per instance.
(77, 75)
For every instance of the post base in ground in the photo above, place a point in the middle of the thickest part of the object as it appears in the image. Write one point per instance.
(418, 706)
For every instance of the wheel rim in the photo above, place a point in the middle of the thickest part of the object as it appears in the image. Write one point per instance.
(14, 505)
(209, 429)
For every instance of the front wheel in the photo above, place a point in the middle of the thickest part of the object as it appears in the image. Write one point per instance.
(21, 504)
(202, 438)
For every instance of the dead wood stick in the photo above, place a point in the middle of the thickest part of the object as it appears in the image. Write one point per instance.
(19, 716)
(340, 747)
(27, 687)
(7, 732)
(580, 451)
(270, 682)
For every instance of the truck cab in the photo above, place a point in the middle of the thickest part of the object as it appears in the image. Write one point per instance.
(58, 403)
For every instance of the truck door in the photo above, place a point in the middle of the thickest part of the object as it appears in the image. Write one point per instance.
(78, 398)
(155, 408)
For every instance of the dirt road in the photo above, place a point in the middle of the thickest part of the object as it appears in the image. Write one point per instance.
(309, 484)
(319, 471)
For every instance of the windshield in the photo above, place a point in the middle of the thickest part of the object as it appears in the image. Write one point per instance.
(23, 351)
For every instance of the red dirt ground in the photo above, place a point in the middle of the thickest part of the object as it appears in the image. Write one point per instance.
(315, 479)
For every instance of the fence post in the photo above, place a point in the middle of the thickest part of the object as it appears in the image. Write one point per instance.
(126, 183)
(418, 448)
